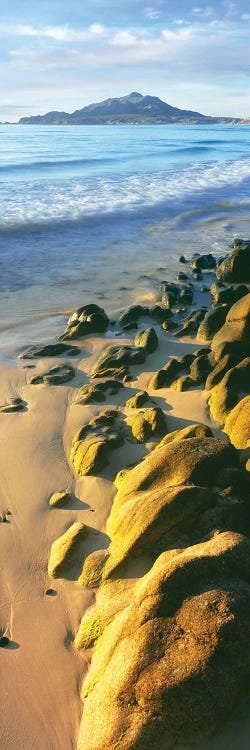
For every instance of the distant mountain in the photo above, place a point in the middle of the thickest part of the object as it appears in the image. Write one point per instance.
(134, 108)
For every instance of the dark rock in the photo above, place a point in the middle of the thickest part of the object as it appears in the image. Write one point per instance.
(50, 350)
(55, 376)
(202, 262)
(227, 295)
(132, 314)
(96, 392)
(147, 339)
(200, 368)
(4, 641)
(169, 325)
(86, 320)
(236, 267)
(114, 361)
(182, 259)
(160, 314)
(181, 276)
(130, 326)
(212, 322)
(183, 383)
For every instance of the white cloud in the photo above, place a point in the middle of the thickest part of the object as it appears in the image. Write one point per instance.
(123, 39)
(152, 13)
(57, 33)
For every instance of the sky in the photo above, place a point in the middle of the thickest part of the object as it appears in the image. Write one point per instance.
(64, 54)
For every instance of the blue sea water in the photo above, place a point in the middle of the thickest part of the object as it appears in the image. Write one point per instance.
(102, 213)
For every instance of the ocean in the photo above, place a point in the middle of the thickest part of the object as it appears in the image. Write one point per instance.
(103, 213)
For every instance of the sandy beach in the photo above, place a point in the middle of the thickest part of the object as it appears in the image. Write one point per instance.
(41, 670)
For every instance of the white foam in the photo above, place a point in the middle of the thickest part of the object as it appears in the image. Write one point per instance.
(41, 202)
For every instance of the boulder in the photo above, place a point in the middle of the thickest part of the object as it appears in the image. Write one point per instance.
(205, 262)
(227, 295)
(237, 325)
(198, 430)
(200, 368)
(96, 392)
(212, 322)
(148, 424)
(229, 391)
(114, 361)
(237, 424)
(132, 314)
(139, 399)
(92, 443)
(183, 383)
(156, 678)
(147, 339)
(65, 548)
(92, 569)
(86, 320)
(236, 267)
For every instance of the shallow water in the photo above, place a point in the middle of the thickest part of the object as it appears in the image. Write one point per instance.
(102, 213)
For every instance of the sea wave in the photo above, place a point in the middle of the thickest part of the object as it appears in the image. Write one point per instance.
(38, 203)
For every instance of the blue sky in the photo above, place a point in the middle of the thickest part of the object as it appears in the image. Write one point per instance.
(63, 54)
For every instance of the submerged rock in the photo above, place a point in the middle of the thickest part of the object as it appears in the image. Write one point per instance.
(50, 350)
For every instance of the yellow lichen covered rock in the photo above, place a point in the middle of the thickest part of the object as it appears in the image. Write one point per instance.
(92, 569)
(147, 424)
(237, 424)
(64, 549)
(172, 664)
(59, 499)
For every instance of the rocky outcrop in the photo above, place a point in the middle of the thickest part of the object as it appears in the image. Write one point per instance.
(156, 678)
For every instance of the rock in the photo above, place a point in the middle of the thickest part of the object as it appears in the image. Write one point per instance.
(187, 359)
(182, 259)
(59, 499)
(160, 314)
(13, 405)
(202, 262)
(4, 641)
(147, 339)
(181, 276)
(148, 424)
(114, 360)
(156, 678)
(200, 368)
(92, 569)
(86, 320)
(222, 367)
(190, 461)
(186, 296)
(96, 392)
(191, 323)
(235, 349)
(130, 326)
(132, 314)
(237, 424)
(91, 444)
(228, 295)
(229, 391)
(237, 325)
(183, 383)
(139, 399)
(163, 378)
(136, 525)
(54, 376)
(170, 293)
(50, 350)
(169, 325)
(88, 632)
(236, 267)
(65, 548)
(212, 322)
(198, 430)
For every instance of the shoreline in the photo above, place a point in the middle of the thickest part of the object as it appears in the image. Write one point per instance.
(42, 670)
